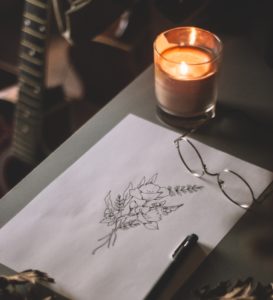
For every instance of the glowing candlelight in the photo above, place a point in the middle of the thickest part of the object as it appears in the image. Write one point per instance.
(192, 37)
(186, 62)
(185, 71)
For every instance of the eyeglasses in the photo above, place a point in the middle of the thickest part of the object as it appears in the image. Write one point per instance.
(233, 185)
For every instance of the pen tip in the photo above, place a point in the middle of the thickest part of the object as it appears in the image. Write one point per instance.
(194, 236)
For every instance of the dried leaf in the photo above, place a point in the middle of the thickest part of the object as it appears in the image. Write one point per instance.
(241, 290)
(23, 278)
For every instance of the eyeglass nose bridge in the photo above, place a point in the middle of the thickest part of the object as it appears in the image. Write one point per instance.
(217, 175)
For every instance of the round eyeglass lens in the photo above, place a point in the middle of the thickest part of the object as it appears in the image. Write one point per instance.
(190, 157)
(236, 188)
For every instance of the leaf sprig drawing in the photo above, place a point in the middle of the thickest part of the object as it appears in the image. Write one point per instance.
(183, 189)
(144, 205)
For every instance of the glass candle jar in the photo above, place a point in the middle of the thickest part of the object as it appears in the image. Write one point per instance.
(187, 61)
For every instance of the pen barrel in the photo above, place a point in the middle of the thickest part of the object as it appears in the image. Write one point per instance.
(178, 256)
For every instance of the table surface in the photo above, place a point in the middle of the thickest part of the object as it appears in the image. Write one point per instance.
(243, 127)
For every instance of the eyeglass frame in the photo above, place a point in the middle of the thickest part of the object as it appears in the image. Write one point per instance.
(205, 171)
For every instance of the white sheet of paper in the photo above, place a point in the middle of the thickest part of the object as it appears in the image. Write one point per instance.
(59, 229)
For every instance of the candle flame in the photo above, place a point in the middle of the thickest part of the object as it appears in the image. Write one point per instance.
(192, 37)
(183, 68)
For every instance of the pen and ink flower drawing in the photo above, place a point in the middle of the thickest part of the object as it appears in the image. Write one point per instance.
(143, 205)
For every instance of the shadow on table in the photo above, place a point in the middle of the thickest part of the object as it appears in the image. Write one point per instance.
(183, 271)
(240, 133)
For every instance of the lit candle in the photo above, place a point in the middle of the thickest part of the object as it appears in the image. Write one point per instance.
(185, 73)
(185, 63)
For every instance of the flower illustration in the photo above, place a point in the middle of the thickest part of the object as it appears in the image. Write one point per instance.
(149, 192)
(145, 205)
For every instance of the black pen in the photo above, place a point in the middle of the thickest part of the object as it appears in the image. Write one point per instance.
(178, 255)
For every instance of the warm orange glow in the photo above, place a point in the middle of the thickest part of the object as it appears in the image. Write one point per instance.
(186, 63)
(192, 37)
(183, 68)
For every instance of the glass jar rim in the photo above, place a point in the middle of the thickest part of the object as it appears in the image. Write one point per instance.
(186, 28)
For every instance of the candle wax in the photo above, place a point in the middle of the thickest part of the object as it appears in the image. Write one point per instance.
(186, 62)
(185, 81)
